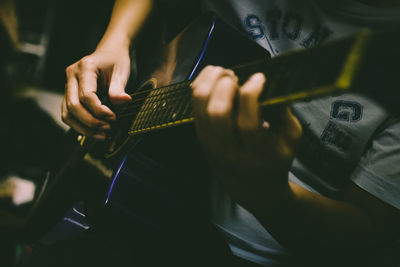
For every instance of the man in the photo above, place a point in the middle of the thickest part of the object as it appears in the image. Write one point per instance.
(337, 201)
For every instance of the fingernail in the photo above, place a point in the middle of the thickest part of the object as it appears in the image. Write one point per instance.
(111, 117)
(105, 127)
(124, 95)
(100, 136)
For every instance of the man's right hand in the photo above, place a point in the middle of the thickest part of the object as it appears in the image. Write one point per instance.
(81, 107)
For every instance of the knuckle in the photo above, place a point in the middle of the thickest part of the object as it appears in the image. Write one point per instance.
(86, 62)
(234, 78)
(71, 105)
(247, 94)
(230, 72)
(229, 82)
(84, 98)
(93, 123)
(214, 69)
(209, 68)
(69, 70)
(200, 92)
(218, 69)
(64, 116)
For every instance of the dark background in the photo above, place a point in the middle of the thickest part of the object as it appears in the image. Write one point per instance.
(55, 34)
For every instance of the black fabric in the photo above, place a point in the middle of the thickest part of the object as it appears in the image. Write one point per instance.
(177, 14)
(137, 246)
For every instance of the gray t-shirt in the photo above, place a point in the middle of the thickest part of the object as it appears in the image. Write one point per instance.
(346, 137)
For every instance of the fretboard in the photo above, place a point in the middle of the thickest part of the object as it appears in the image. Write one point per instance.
(294, 76)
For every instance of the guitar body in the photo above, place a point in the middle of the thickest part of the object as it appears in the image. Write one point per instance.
(159, 178)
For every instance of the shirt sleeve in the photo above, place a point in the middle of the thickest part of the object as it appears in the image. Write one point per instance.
(378, 172)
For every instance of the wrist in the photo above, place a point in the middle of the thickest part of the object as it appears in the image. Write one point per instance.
(114, 42)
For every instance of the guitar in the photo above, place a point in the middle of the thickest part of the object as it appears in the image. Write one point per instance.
(162, 100)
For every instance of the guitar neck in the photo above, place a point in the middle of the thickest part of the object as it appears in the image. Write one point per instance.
(291, 77)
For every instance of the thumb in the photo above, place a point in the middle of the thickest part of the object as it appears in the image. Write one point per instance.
(116, 92)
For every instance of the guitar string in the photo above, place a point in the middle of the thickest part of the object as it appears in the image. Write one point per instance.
(151, 99)
(172, 86)
(146, 114)
(184, 103)
(133, 109)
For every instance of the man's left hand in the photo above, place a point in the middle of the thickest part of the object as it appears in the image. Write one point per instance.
(248, 154)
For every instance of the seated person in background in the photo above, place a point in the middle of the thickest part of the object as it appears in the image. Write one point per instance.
(286, 191)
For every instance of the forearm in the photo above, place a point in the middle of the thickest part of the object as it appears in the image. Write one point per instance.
(126, 20)
(305, 222)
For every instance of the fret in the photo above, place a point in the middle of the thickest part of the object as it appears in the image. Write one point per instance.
(172, 104)
(160, 106)
(155, 106)
(165, 110)
(144, 109)
(172, 114)
(187, 110)
(165, 107)
(135, 110)
(184, 98)
(186, 104)
(135, 122)
(163, 103)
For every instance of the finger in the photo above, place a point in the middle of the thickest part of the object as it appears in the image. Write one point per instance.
(249, 120)
(220, 109)
(118, 83)
(77, 126)
(87, 92)
(283, 122)
(74, 107)
(202, 87)
(291, 128)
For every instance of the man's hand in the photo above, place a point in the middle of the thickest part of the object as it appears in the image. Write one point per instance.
(110, 63)
(248, 154)
(81, 108)
(252, 158)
